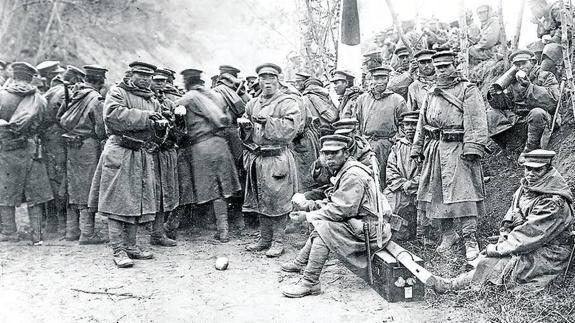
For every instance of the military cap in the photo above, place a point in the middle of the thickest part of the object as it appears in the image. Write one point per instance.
(251, 77)
(143, 68)
(410, 116)
(268, 68)
(538, 158)
(162, 74)
(554, 52)
(374, 52)
(158, 76)
(3, 63)
(302, 76)
(49, 67)
(381, 70)
(341, 75)
(401, 51)
(345, 126)
(335, 142)
(424, 54)
(445, 57)
(521, 55)
(95, 70)
(191, 73)
(23, 68)
(73, 70)
(229, 70)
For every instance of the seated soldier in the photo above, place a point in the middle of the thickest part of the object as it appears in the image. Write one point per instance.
(489, 35)
(403, 179)
(533, 245)
(337, 220)
(534, 94)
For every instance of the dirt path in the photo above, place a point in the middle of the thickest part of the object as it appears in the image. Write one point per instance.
(180, 285)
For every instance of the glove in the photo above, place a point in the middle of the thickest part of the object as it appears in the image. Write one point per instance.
(244, 123)
(298, 216)
(470, 157)
(491, 250)
(260, 120)
(156, 116)
(300, 202)
(180, 110)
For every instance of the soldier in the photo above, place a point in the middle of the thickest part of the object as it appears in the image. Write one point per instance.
(489, 35)
(124, 185)
(233, 100)
(83, 121)
(343, 84)
(269, 126)
(300, 78)
(424, 81)
(402, 175)
(23, 176)
(169, 90)
(378, 112)
(206, 169)
(165, 163)
(337, 220)
(534, 243)
(317, 101)
(449, 142)
(55, 151)
(534, 94)
(401, 77)
(48, 70)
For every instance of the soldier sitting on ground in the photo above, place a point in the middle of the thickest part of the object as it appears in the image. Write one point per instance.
(533, 246)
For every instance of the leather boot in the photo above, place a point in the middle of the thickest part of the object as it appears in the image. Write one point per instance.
(73, 224)
(300, 261)
(448, 240)
(122, 260)
(471, 247)
(158, 238)
(221, 213)
(277, 247)
(310, 284)
(35, 215)
(8, 232)
(173, 222)
(118, 243)
(266, 234)
(301, 288)
(87, 224)
(132, 249)
(442, 285)
(534, 134)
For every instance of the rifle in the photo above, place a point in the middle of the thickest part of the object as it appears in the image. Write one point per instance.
(545, 140)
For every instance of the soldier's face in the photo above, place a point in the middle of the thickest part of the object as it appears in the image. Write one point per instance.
(299, 84)
(339, 86)
(158, 85)
(403, 60)
(533, 174)
(524, 66)
(379, 82)
(269, 84)
(409, 130)
(335, 159)
(141, 80)
(483, 14)
(444, 70)
(426, 67)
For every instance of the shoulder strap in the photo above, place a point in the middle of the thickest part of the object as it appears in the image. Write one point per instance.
(452, 99)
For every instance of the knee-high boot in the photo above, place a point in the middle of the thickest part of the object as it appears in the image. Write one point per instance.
(8, 232)
(35, 215)
(73, 223)
(158, 237)
(87, 225)
(134, 251)
(221, 212)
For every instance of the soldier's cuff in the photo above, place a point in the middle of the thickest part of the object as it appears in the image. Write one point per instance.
(471, 148)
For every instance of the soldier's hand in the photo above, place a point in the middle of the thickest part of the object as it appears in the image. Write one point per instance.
(503, 236)
(156, 116)
(413, 66)
(406, 186)
(300, 202)
(260, 120)
(161, 124)
(297, 216)
(244, 122)
(522, 78)
(180, 110)
(417, 158)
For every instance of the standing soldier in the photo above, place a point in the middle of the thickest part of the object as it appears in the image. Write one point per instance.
(271, 123)
(170, 91)
(401, 77)
(450, 141)
(347, 92)
(403, 177)
(205, 164)
(124, 185)
(233, 99)
(165, 164)
(316, 99)
(55, 148)
(83, 121)
(378, 112)
(48, 70)
(23, 176)
(424, 81)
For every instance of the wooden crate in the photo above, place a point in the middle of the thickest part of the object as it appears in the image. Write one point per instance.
(393, 281)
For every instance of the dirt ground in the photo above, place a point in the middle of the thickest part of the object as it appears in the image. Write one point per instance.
(64, 282)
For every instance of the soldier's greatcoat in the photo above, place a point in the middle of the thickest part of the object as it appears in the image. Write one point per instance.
(23, 178)
(53, 143)
(450, 186)
(83, 122)
(537, 248)
(272, 180)
(124, 185)
(418, 91)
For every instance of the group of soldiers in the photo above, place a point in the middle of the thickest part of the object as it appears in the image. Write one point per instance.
(399, 154)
